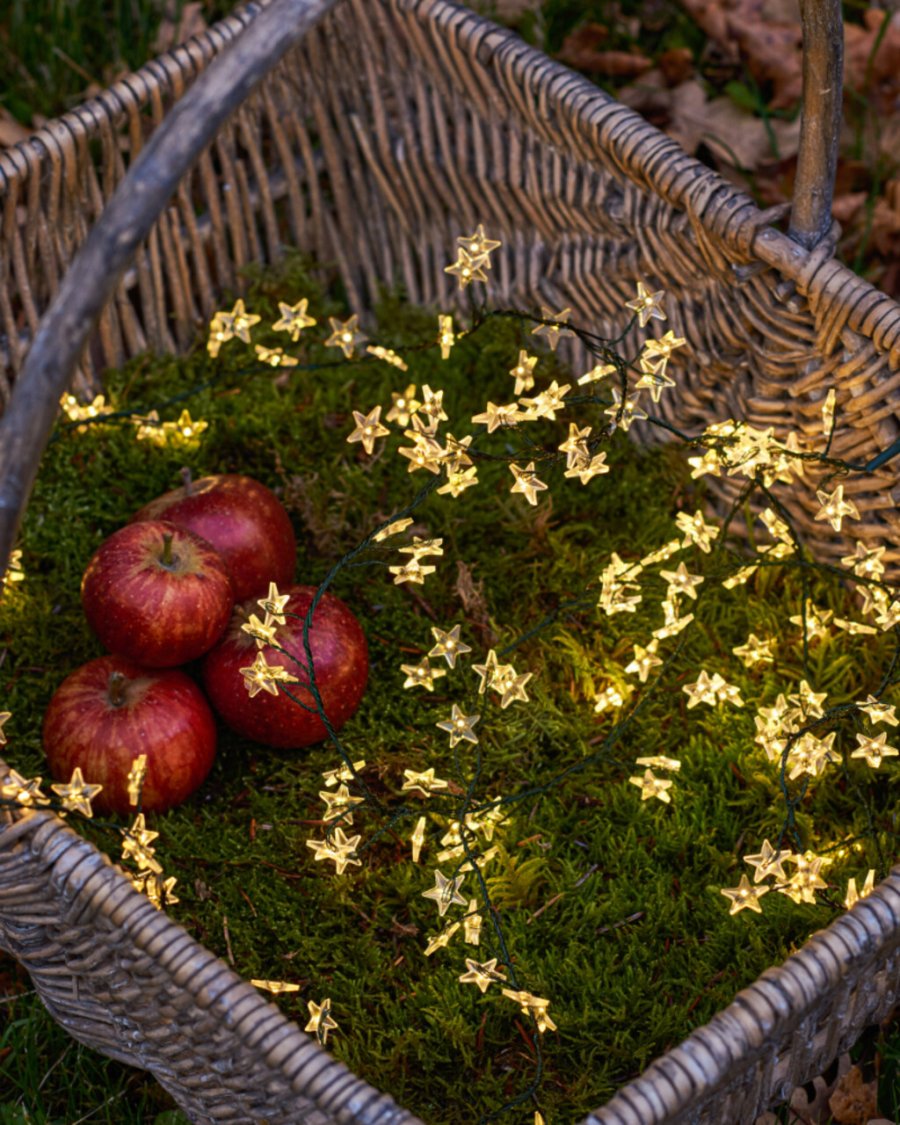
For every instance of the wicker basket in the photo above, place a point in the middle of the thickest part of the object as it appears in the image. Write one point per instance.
(387, 127)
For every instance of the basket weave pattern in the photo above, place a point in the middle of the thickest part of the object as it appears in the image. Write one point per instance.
(394, 126)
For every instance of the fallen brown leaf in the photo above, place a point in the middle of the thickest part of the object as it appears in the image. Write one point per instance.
(870, 65)
(471, 594)
(580, 50)
(854, 1102)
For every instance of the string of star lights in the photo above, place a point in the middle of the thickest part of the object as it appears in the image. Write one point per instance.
(553, 435)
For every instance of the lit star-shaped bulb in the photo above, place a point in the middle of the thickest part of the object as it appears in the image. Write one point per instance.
(263, 632)
(445, 892)
(343, 773)
(865, 561)
(387, 355)
(472, 924)
(478, 245)
(653, 378)
(424, 453)
(652, 786)
(421, 548)
(527, 482)
(877, 712)
(854, 895)
(345, 335)
(76, 795)
(610, 699)
(547, 403)
(425, 781)
(874, 750)
(293, 318)
(273, 604)
(339, 803)
(403, 406)
(805, 881)
(468, 268)
(229, 325)
(5, 716)
(523, 372)
(275, 357)
(647, 305)
(14, 571)
(135, 780)
(276, 987)
(186, 430)
(597, 372)
(767, 862)
(448, 644)
(703, 690)
(645, 660)
(413, 571)
(481, 973)
(421, 674)
(816, 621)
(659, 762)
(136, 842)
(533, 1006)
(487, 671)
(575, 445)
(459, 726)
(417, 839)
(664, 346)
(494, 416)
(456, 456)
(433, 404)
(586, 471)
(552, 333)
(809, 701)
(459, 481)
(320, 1021)
(709, 464)
(257, 677)
(446, 338)
(368, 428)
(681, 582)
(696, 531)
(624, 414)
(745, 896)
(441, 940)
(510, 685)
(835, 507)
(755, 651)
(77, 411)
(24, 791)
(340, 849)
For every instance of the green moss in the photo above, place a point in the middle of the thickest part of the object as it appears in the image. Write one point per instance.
(608, 906)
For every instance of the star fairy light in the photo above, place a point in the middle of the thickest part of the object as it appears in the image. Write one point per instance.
(487, 672)
(320, 1021)
(404, 404)
(853, 895)
(273, 604)
(395, 527)
(445, 892)
(276, 987)
(888, 615)
(835, 507)
(77, 411)
(674, 624)
(343, 773)
(424, 453)
(422, 548)
(696, 531)
(769, 861)
(448, 644)
(136, 841)
(776, 526)
(681, 582)
(421, 674)
(575, 446)
(726, 692)
(876, 711)
(510, 686)
(647, 305)
(815, 621)
(708, 465)
(610, 699)
(425, 781)
(482, 973)
(263, 632)
(456, 456)
(745, 896)
(459, 726)
(339, 804)
(340, 849)
(5, 716)
(76, 794)
(185, 431)
(160, 891)
(468, 268)
(865, 561)
(703, 690)
(274, 357)
(597, 372)
(808, 701)
(645, 660)
(664, 346)
(21, 790)
(531, 1005)
(413, 572)
(740, 577)
(661, 554)
(262, 676)
(345, 334)
(446, 338)
(478, 245)
(810, 755)
(625, 412)
(433, 404)
(755, 651)
(553, 332)
(523, 372)
(652, 786)
(659, 762)
(549, 402)
(387, 355)
(828, 411)
(441, 940)
(874, 750)
(14, 571)
(149, 428)
(855, 628)
(135, 780)
(417, 839)
(653, 378)
(458, 482)
(494, 416)
(806, 880)
(527, 482)
(368, 429)
(294, 318)
(472, 924)
(235, 324)
(587, 470)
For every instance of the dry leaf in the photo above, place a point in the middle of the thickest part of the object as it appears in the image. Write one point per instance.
(471, 594)
(677, 65)
(11, 131)
(174, 30)
(580, 50)
(878, 74)
(854, 1102)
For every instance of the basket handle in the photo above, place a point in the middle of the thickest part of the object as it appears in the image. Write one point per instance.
(820, 126)
(127, 219)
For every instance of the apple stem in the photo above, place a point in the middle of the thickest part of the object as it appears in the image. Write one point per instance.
(117, 685)
(187, 480)
(167, 558)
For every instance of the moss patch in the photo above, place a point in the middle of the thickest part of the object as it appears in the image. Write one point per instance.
(608, 905)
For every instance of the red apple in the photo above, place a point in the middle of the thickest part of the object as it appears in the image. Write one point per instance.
(157, 593)
(244, 521)
(109, 711)
(340, 661)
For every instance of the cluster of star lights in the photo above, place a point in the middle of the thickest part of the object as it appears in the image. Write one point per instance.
(791, 733)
